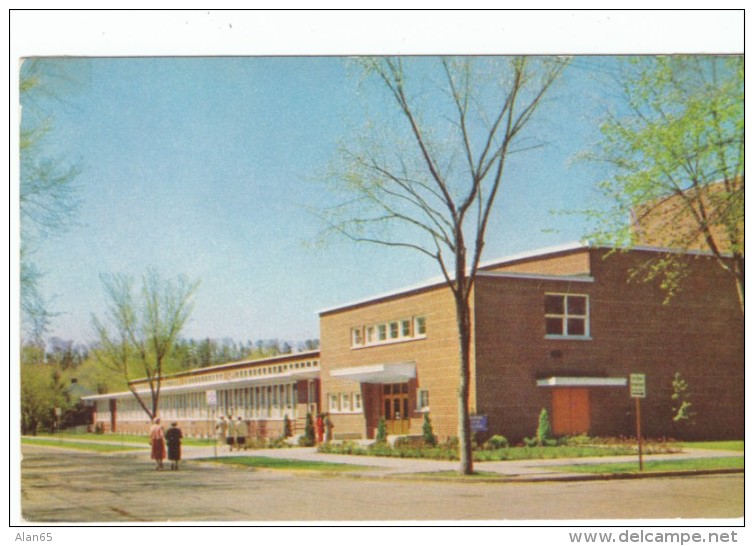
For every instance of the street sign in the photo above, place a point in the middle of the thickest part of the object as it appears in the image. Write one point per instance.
(212, 398)
(638, 384)
(478, 423)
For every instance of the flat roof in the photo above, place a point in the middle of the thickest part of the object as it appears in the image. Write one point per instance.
(438, 281)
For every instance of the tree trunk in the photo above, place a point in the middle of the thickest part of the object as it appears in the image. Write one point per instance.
(463, 314)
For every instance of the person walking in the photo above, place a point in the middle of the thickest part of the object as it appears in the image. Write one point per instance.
(320, 429)
(240, 434)
(221, 430)
(231, 438)
(157, 441)
(173, 437)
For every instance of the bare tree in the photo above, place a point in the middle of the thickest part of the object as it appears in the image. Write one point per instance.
(431, 186)
(145, 327)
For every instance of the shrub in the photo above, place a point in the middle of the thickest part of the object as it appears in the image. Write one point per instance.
(427, 434)
(498, 442)
(287, 429)
(544, 431)
(381, 431)
(308, 439)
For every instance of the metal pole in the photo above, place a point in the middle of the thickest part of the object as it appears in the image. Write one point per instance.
(638, 432)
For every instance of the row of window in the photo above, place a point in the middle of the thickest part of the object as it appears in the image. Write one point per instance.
(344, 402)
(246, 372)
(389, 332)
(566, 316)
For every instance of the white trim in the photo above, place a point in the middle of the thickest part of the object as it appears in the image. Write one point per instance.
(396, 372)
(535, 276)
(582, 382)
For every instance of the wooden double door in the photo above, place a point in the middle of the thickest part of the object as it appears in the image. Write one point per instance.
(570, 411)
(395, 407)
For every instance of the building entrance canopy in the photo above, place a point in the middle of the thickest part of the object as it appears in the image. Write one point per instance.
(396, 372)
(582, 382)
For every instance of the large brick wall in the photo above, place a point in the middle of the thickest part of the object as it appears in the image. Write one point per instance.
(699, 333)
(436, 358)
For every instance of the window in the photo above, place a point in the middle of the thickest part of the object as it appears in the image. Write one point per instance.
(371, 335)
(567, 315)
(393, 330)
(381, 332)
(420, 326)
(422, 400)
(345, 402)
(356, 337)
(357, 402)
(406, 328)
(333, 398)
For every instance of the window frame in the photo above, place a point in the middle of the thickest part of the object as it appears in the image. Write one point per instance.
(566, 316)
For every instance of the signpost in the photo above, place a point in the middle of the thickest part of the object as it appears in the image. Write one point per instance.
(638, 383)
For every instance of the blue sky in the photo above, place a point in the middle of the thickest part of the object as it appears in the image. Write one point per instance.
(206, 167)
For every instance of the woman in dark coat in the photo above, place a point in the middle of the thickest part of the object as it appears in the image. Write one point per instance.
(173, 438)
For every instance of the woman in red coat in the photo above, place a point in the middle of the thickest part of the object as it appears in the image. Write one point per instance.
(157, 441)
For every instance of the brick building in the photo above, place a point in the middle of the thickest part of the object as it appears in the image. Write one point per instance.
(262, 392)
(560, 329)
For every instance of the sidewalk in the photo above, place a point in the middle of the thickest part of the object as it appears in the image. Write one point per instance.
(383, 467)
(523, 470)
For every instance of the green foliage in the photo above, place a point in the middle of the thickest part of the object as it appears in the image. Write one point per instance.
(308, 439)
(544, 431)
(381, 437)
(48, 195)
(682, 136)
(41, 392)
(428, 434)
(681, 401)
(498, 442)
(141, 328)
(287, 427)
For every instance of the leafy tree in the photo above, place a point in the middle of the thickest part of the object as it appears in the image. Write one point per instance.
(48, 197)
(141, 329)
(428, 182)
(42, 390)
(675, 162)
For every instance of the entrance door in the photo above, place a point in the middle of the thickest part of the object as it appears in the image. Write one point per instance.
(570, 411)
(395, 407)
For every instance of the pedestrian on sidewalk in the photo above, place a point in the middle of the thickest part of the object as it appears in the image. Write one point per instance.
(221, 430)
(320, 428)
(157, 441)
(231, 438)
(240, 434)
(173, 437)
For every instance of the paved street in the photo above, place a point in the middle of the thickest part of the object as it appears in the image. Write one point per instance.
(60, 485)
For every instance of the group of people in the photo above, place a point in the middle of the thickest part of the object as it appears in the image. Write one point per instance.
(231, 432)
(158, 438)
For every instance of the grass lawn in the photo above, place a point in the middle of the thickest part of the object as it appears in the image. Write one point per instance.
(734, 463)
(85, 446)
(731, 445)
(285, 464)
